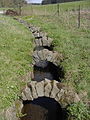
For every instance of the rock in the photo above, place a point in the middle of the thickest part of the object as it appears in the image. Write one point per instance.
(45, 53)
(37, 35)
(55, 89)
(10, 114)
(55, 57)
(46, 81)
(35, 55)
(40, 54)
(49, 41)
(47, 89)
(37, 43)
(40, 42)
(45, 41)
(23, 96)
(11, 12)
(67, 96)
(32, 86)
(34, 29)
(27, 93)
(43, 56)
(58, 96)
(40, 88)
(49, 56)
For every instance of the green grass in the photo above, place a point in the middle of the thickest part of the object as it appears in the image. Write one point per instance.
(72, 42)
(52, 9)
(15, 58)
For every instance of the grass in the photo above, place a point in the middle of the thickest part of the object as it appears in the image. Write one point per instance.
(72, 42)
(16, 47)
(15, 58)
(52, 9)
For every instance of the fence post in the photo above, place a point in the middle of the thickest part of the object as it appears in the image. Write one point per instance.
(79, 17)
(58, 9)
(20, 8)
(31, 9)
(45, 9)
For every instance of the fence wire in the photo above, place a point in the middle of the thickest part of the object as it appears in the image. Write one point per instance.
(78, 16)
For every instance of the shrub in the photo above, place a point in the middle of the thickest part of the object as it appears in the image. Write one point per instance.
(79, 111)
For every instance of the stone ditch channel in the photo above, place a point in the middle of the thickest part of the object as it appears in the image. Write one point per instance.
(45, 97)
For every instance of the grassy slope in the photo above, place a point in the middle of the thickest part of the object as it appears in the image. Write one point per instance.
(72, 42)
(51, 9)
(15, 58)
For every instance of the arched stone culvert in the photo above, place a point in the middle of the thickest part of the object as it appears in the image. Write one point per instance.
(62, 93)
(44, 56)
(45, 91)
(51, 72)
(43, 108)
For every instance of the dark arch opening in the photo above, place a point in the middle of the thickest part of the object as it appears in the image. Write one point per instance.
(51, 72)
(50, 48)
(43, 108)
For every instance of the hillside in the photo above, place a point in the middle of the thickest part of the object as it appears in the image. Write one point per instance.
(15, 58)
(72, 42)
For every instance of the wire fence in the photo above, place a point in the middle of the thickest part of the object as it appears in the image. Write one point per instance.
(76, 15)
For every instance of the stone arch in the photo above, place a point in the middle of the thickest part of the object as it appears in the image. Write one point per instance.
(46, 65)
(62, 93)
(41, 57)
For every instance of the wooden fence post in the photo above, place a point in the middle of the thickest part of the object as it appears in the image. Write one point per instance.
(20, 8)
(45, 9)
(32, 9)
(79, 17)
(58, 9)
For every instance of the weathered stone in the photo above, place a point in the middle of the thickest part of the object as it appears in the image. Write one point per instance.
(23, 96)
(55, 90)
(10, 114)
(35, 55)
(32, 86)
(42, 56)
(46, 81)
(67, 96)
(54, 58)
(47, 89)
(36, 41)
(42, 34)
(34, 29)
(28, 93)
(49, 41)
(40, 88)
(45, 41)
(59, 94)
(50, 56)
(37, 35)
(40, 42)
